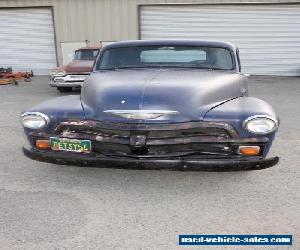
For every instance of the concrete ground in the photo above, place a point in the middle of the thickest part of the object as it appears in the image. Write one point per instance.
(46, 206)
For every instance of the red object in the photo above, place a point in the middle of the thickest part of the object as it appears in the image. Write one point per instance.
(15, 75)
(79, 66)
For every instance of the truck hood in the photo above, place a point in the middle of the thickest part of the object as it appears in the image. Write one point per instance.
(190, 93)
(79, 66)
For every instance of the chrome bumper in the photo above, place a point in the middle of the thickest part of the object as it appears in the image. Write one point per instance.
(204, 164)
(67, 81)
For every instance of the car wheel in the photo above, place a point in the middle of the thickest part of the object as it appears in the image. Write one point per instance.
(64, 89)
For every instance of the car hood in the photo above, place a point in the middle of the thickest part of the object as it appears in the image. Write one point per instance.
(192, 93)
(79, 66)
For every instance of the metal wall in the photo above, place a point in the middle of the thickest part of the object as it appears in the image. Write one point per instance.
(101, 20)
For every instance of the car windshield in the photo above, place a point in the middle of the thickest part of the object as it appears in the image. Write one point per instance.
(86, 54)
(166, 56)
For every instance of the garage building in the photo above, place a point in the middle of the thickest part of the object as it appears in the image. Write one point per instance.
(40, 34)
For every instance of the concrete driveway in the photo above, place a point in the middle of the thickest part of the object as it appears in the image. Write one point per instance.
(46, 206)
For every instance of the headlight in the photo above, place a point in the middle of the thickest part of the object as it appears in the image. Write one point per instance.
(261, 124)
(54, 72)
(60, 73)
(34, 120)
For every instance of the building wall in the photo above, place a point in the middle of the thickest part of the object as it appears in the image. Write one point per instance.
(101, 20)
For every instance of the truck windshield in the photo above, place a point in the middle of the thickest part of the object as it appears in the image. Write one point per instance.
(86, 54)
(166, 56)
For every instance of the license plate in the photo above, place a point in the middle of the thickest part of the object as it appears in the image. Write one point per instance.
(71, 145)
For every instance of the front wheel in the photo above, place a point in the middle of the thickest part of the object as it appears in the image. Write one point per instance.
(64, 89)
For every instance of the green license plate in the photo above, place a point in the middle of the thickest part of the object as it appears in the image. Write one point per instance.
(71, 145)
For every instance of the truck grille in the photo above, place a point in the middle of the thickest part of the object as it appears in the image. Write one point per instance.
(154, 140)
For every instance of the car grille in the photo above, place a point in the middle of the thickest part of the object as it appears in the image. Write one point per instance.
(155, 140)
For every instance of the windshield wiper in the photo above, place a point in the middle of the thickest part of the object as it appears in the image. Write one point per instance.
(196, 67)
(116, 68)
(216, 69)
(162, 66)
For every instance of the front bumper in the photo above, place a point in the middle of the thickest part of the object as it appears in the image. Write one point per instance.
(67, 81)
(204, 164)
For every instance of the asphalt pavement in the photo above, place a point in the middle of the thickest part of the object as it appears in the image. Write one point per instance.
(46, 206)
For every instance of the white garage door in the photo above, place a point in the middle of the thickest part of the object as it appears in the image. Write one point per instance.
(268, 35)
(27, 39)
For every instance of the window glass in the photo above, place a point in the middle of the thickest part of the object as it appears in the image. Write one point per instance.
(169, 55)
(86, 54)
(166, 56)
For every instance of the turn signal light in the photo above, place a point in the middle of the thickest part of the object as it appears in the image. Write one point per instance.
(42, 144)
(249, 150)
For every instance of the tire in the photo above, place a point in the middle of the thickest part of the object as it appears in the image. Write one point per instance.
(64, 89)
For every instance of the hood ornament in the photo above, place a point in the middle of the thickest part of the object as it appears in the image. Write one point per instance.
(141, 114)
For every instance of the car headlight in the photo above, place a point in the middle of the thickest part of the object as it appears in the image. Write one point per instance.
(54, 73)
(60, 73)
(34, 120)
(261, 124)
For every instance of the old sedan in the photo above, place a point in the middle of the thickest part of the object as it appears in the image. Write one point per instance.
(178, 104)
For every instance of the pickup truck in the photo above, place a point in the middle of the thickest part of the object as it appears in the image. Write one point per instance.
(73, 74)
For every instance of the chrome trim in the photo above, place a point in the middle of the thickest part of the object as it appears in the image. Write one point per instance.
(45, 117)
(141, 112)
(261, 116)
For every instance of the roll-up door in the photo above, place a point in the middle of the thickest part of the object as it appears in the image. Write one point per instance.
(268, 36)
(27, 39)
